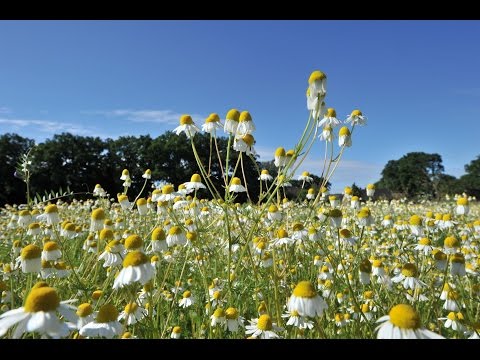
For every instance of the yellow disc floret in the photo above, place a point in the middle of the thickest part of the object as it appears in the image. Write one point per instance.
(304, 289)
(107, 313)
(405, 317)
(31, 252)
(42, 299)
(264, 322)
(135, 258)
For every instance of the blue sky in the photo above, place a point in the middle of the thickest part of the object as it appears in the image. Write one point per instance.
(418, 82)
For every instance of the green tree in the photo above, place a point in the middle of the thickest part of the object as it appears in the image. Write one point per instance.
(414, 174)
(12, 147)
(470, 182)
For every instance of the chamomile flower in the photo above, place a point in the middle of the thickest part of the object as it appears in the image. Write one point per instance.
(123, 201)
(236, 186)
(212, 123)
(194, 184)
(50, 215)
(263, 328)
(298, 321)
(451, 245)
(186, 126)
(85, 315)
(327, 133)
(244, 144)
(187, 300)
(344, 137)
(99, 191)
(132, 313)
(245, 124)
(136, 268)
(370, 190)
(310, 194)
(462, 206)
(218, 318)
(306, 301)
(409, 277)
(305, 177)
(106, 324)
(234, 320)
(317, 84)
(424, 246)
(453, 321)
(280, 158)
(416, 225)
(113, 254)
(24, 218)
(147, 174)
(176, 332)
(176, 236)
(142, 206)
(39, 314)
(51, 251)
(265, 175)
(231, 121)
(457, 264)
(356, 118)
(30, 259)
(330, 118)
(158, 241)
(403, 322)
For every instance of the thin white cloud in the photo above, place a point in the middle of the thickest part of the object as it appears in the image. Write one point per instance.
(168, 117)
(5, 110)
(46, 126)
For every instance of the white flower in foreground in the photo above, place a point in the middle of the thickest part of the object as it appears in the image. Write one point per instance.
(212, 123)
(132, 313)
(245, 124)
(195, 183)
(306, 301)
(231, 121)
(403, 322)
(136, 268)
(330, 118)
(236, 186)
(30, 259)
(263, 328)
(39, 314)
(105, 325)
(186, 126)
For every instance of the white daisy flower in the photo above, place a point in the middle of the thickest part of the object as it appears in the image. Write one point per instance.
(105, 325)
(186, 126)
(187, 300)
(403, 322)
(194, 184)
(234, 321)
(298, 321)
(263, 328)
(136, 268)
(30, 259)
(212, 123)
(245, 124)
(330, 119)
(356, 118)
(306, 301)
(236, 186)
(39, 314)
(231, 121)
(132, 313)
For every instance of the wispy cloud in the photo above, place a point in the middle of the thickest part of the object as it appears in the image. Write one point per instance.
(168, 117)
(5, 110)
(46, 126)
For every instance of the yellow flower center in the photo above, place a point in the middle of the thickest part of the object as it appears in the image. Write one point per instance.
(409, 270)
(462, 201)
(264, 322)
(451, 315)
(219, 313)
(447, 217)
(52, 208)
(315, 76)
(34, 226)
(233, 114)
(42, 299)
(98, 214)
(331, 113)
(368, 294)
(96, 294)
(135, 258)
(130, 308)
(377, 263)
(415, 220)
(177, 330)
(133, 242)
(458, 258)
(187, 294)
(344, 131)
(31, 252)
(231, 313)
(236, 181)
(216, 295)
(424, 241)
(282, 233)
(248, 139)
(405, 317)
(356, 113)
(186, 120)
(452, 295)
(106, 234)
(158, 234)
(335, 213)
(141, 202)
(122, 198)
(370, 186)
(84, 309)
(451, 241)
(50, 246)
(280, 152)
(175, 230)
(345, 233)
(107, 313)
(304, 289)
(245, 116)
(366, 266)
(439, 255)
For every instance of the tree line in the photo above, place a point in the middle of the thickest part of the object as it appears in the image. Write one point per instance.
(80, 162)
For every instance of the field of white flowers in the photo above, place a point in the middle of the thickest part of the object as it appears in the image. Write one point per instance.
(176, 265)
